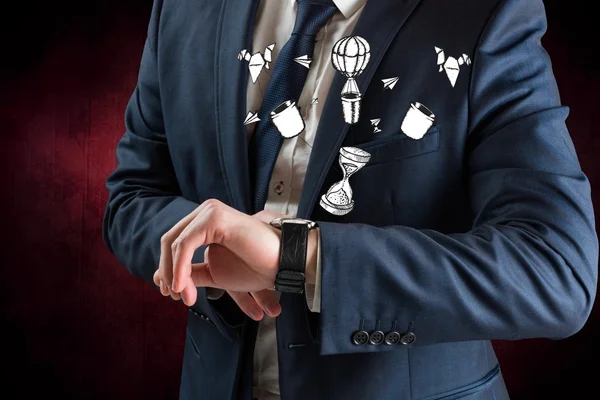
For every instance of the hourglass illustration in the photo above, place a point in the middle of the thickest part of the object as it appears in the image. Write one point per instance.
(338, 199)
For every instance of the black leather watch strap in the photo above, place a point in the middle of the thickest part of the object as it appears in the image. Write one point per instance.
(292, 258)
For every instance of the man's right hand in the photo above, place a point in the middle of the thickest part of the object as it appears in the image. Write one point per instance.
(252, 304)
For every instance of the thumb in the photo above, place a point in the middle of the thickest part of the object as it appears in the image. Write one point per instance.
(201, 276)
(189, 293)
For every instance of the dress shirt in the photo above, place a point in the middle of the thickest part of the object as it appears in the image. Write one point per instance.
(274, 23)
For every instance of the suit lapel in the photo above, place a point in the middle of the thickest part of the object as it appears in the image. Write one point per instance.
(231, 77)
(379, 23)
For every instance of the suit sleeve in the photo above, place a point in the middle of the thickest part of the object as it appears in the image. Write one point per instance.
(528, 267)
(144, 199)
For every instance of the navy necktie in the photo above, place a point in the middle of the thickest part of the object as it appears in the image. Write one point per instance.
(286, 83)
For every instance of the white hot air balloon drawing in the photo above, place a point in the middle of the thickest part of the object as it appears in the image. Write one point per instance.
(350, 56)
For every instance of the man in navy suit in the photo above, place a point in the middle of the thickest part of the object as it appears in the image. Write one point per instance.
(418, 149)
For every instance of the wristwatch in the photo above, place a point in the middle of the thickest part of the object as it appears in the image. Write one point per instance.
(292, 255)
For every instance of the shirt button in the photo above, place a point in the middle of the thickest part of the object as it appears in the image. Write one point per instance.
(278, 188)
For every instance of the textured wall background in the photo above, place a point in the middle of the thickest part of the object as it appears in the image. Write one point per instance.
(75, 323)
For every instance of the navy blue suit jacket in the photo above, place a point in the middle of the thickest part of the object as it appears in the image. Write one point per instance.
(483, 229)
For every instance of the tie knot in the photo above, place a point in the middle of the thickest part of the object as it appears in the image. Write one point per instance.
(312, 16)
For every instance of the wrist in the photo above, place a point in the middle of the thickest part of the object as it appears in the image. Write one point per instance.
(294, 255)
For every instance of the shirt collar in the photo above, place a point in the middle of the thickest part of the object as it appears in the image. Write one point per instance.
(346, 7)
(349, 7)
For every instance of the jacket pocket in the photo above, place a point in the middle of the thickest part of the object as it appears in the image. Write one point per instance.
(398, 146)
(193, 344)
(475, 387)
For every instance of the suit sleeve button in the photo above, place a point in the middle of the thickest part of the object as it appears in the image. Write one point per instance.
(408, 338)
(360, 337)
(197, 314)
(392, 338)
(376, 337)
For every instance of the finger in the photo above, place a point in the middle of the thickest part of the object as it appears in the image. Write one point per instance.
(175, 296)
(267, 301)
(247, 304)
(165, 265)
(200, 276)
(183, 248)
(156, 277)
(163, 289)
(189, 293)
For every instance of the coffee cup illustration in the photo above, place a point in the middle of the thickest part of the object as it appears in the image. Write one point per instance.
(417, 121)
(351, 107)
(287, 119)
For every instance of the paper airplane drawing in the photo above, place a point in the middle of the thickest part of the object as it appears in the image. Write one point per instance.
(304, 61)
(257, 61)
(389, 83)
(375, 125)
(450, 64)
(251, 118)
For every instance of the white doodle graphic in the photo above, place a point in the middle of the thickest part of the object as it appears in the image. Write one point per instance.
(375, 124)
(287, 119)
(464, 59)
(338, 199)
(251, 118)
(450, 64)
(257, 61)
(269, 54)
(417, 121)
(304, 61)
(314, 101)
(389, 83)
(350, 56)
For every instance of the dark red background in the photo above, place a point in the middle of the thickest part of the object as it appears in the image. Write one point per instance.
(75, 323)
